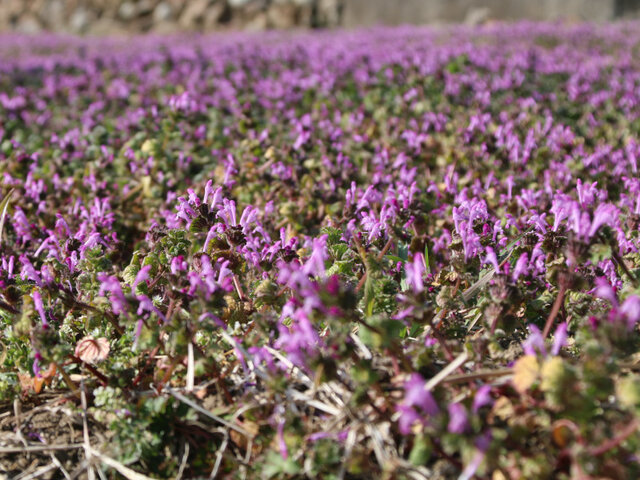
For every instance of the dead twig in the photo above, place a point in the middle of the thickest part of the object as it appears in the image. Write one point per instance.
(123, 470)
(40, 448)
(190, 368)
(183, 462)
(38, 473)
(446, 371)
(58, 464)
(85, 433)
(207, 413)
(480, 375)
(219, 454)
(554, 311)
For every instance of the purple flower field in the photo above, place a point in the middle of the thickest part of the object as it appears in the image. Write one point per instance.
(396, 253)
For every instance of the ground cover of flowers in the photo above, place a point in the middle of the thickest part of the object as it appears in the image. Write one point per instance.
(400, 253)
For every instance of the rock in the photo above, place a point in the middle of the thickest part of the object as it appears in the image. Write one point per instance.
(106, 26)
(281, 16)
(176, 6)
(214, 15)
(328, 13)
(29, 24)
(237, 3)
(257, 23)
(304, 15)
(193, 13)
(142, 23)
(13, 7)
(358, 13)
(165, 27)
(37, 6)
(53, 15)
(162, 12)
(9, 13)
(79, 21)
(477, 16)
(144, 7)
(127, 10)
(252, 9)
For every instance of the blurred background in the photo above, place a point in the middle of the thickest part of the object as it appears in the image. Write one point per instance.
(114, 17)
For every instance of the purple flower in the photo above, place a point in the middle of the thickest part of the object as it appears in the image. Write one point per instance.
(605, 291)
(282, 445)
(29, 272)
(482, 398)
(111, 285)
(183, 103)
(208, 191)
(417, 396)
(314, 265)
(534, 342)
(492, 259)
(521, 268)
(415, 271)
(559, 338)
(21, 226)
(464, 218)
(630, 308)
(7, 266)
(185, 212)
(587, 192)
(36, 363)
(178, 264)
(92, 241)
(605, 214)
(228, 212)
(408, 417)
(141, 276)
(458, 422)
(37, 301)
(417, 402)
(482, 443)
(146, 305)
(561, 207)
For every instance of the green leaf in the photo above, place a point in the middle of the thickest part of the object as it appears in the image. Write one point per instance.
(276, 465)
(198, 225)
(339, 250)
(421, 451)
(369, 295)
(426, 259)
(471, 292)
(370, 306)
(342, 267)
(394, 258)
(600, 251)
(403, 252)
(4, 206)
(129, 273)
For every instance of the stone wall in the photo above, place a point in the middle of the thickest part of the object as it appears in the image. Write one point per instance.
(101, 17)
(369, 12)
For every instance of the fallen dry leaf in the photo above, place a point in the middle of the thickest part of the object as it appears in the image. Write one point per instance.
(525, 373)
(35, 383)
(92, 350)
(561, 435)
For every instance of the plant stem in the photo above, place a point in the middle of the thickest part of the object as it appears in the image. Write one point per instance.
(614, 442)
(554, 311)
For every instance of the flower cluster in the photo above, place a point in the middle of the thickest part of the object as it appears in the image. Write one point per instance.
(399, 253)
